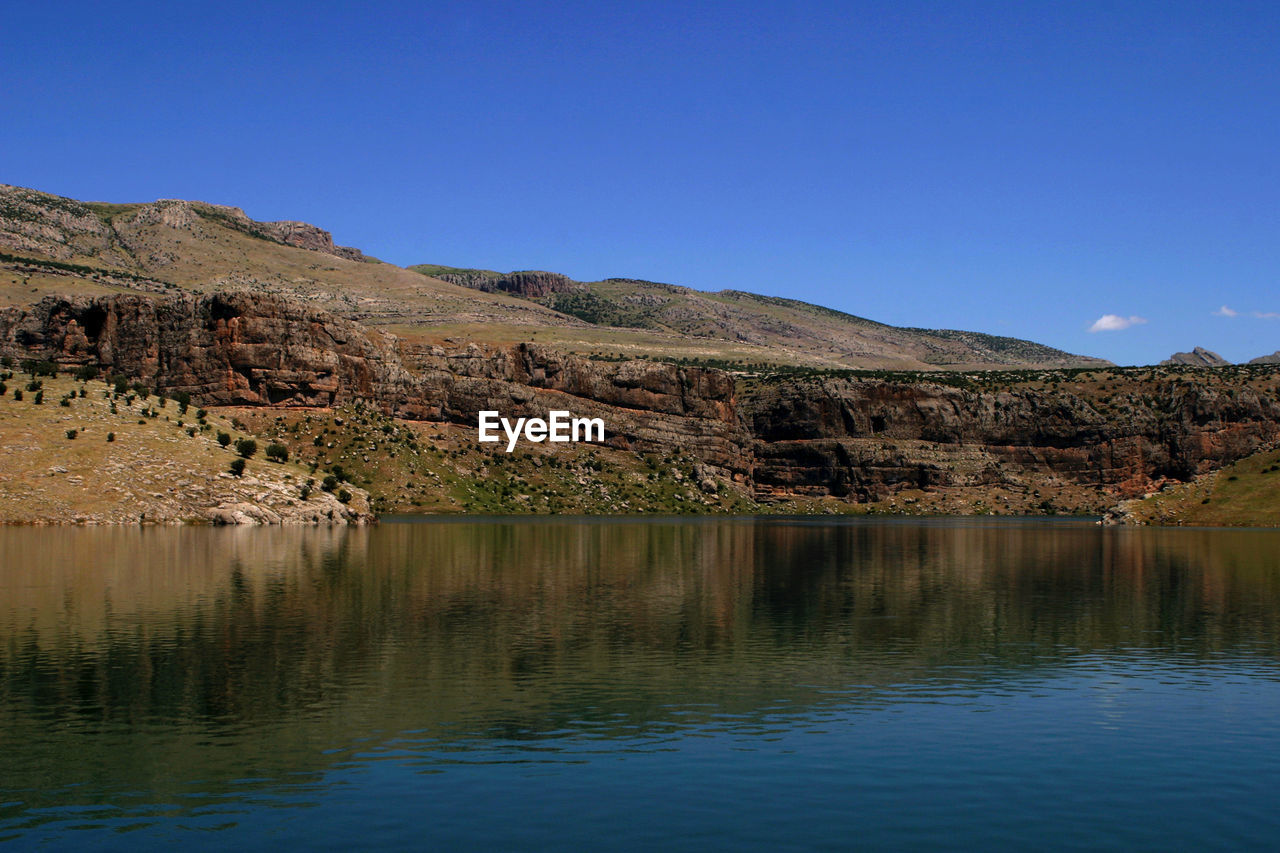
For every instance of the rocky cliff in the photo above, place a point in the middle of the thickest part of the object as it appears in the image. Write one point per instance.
(868, 439)
(858, 438)
(250, 349)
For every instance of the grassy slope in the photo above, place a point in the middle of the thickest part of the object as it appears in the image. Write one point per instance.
(629, 316)
(410, 467)
(1243, 494)
(152, 467)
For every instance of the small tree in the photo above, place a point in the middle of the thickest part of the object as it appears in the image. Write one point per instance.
(39, 398)
(277, 452)
(224, 438)
(87, 372)
(344, 496)
(237, 467)
(246, 447)
(111, 436)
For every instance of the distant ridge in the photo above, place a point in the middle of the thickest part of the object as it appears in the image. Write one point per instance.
(798, 331)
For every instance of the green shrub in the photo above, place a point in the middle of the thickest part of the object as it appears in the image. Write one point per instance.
(277, 452)
(141, 390)
(237, 467)
(71, 433)
(121, 386)
(4, 389)
(329, 483)
(305, 491)
(246, 447)
(111, 436)
(17, 394)
(224, 438)
(65, 401)
(39, 398)
(35, 385)
(344, 496)
(87, 372)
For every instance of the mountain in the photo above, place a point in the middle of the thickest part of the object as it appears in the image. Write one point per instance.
(51, 245)
(1274, 358)
(1198, 357)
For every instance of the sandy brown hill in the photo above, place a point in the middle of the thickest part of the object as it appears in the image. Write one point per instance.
(54, 245)
(51, 245)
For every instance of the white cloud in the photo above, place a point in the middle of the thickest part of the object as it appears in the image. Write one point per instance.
(1115, 323)
(1224, 311)
(1267, 315)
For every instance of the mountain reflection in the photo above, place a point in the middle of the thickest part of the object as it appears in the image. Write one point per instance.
(270, 647)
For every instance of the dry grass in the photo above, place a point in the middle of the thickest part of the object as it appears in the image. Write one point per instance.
(151, 470)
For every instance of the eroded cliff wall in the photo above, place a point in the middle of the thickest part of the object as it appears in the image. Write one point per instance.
(860, 439)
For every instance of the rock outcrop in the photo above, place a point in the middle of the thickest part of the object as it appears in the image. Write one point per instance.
(531, 283)
(1274, 358)
(1198, 357)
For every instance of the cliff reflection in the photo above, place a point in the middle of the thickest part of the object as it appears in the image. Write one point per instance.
(290, 642)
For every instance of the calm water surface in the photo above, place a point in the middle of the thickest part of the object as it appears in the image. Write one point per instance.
(734, 684)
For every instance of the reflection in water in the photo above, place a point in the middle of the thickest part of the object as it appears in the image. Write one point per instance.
(212, 666)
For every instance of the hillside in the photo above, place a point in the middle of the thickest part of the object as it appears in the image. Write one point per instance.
(85, 452)
(631, 317)
(1245, 493)
(51, 245)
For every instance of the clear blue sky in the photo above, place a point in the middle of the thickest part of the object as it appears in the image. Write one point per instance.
(1019, 168)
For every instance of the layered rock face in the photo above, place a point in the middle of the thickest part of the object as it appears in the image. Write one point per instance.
(869, 439)
(251, 349)
(857, 439)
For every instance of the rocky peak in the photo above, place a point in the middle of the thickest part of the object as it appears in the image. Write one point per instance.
(51, 225)
(1274, 358)
(1198, 357)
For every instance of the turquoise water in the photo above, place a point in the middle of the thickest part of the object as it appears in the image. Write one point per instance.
(685, 684)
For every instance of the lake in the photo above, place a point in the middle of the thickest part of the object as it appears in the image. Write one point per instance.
(565, 683)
